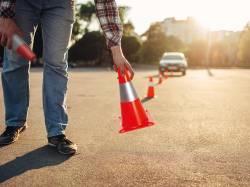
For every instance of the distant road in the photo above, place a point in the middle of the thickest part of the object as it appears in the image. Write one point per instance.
(202, 136)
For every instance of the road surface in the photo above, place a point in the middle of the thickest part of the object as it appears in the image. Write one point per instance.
(202, 136)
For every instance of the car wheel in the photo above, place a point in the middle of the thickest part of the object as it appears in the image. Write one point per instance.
(184, 73)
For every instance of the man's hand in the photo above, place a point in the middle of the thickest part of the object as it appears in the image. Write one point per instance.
(120, 62)
(7, 29)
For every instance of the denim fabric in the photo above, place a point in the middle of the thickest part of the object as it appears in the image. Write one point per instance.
(56, 18)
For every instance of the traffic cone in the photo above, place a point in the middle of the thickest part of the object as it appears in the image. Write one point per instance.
(22, 48)
(151, 89)
(166, 74)
(160, 79)
(133, 114)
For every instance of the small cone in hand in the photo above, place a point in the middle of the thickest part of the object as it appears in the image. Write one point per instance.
(133, 114)
(22, 48)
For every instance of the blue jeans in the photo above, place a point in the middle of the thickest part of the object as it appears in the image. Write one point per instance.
(56, 18)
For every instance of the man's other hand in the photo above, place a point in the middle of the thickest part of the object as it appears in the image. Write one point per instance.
(120, 62)
(7, 29)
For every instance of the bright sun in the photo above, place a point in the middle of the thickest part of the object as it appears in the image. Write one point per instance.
(221, 14)
(212, 14)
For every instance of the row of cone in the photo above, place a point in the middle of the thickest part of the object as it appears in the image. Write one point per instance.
(151, 86)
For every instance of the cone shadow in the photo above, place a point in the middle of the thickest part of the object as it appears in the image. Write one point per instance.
(169, 76)
(146, 99)
(209, 72)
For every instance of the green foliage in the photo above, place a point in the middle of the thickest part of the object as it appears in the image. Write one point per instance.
(86, 11)
(128, 29)
(89, 48)
(131, 45)
(196, 53)
(244, 46)
(174, 44)
(155, 45)
(218, 54)
(77, 30)
(123, 11)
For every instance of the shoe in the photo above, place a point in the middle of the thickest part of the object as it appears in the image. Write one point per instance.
(63, 144)
(11, 134)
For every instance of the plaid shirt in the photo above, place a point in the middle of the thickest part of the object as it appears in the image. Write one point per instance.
(106, 10)
(7, 8)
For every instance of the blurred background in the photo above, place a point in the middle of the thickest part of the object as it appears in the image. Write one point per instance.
(202, 131)
(209, 33)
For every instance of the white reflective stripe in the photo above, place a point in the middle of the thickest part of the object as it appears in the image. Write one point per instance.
(17, 42)
(127, 92)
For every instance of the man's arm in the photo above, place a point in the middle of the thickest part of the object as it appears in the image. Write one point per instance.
(108, 15)
(7, 8)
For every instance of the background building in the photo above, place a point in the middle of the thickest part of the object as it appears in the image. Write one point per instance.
(187, 30)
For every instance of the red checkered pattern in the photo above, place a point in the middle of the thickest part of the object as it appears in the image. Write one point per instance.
(108, 15)
(7, 8)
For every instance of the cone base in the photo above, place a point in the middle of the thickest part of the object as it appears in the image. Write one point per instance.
(148, 124)
(135, 128)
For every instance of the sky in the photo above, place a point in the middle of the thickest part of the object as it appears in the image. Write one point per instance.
(230, 15)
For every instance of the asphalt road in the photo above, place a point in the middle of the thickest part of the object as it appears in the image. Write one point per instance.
(202, 136)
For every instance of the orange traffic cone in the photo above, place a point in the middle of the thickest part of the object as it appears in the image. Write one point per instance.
(160, 78)
(133, 114)
(166, 74)
(151, 88)
(22, 48)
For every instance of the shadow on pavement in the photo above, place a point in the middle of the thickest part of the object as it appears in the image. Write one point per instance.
(38, 158)
(146, 99)
(169, 76)
(209, 72)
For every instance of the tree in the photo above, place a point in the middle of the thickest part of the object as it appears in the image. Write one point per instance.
(174, 44)
(218, 56)
(196, 53)
(123, 11)
(91, 47)
(128, 29)
(155, 44)
(84, 14)
(244, 46)
(131, 45)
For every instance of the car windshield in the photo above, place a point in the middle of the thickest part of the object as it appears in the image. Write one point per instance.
(172, 57)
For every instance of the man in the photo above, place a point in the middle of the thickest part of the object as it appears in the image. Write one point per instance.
(56, 18)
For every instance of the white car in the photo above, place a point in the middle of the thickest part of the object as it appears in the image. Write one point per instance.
(173, 62)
